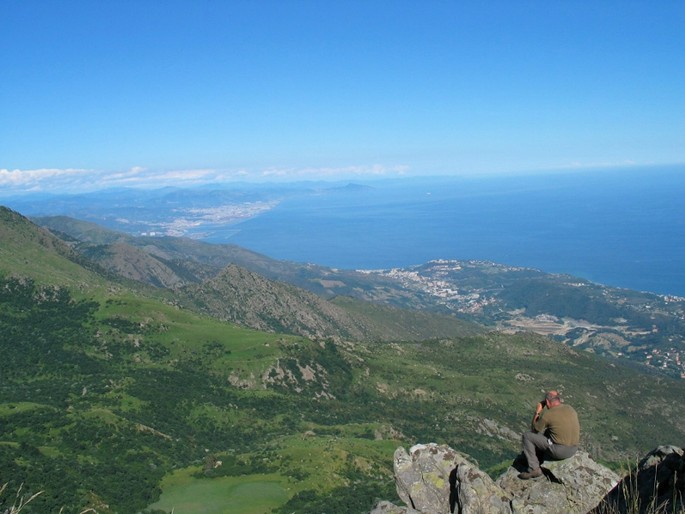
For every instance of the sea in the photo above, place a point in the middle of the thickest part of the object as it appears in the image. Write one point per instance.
(619, 227)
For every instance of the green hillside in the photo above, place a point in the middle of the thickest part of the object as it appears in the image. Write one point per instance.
(642, 327)
(29, 251)
(245, 298)
(236, 285)
(119, 401)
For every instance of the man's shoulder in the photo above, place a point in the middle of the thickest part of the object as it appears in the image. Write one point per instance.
(566, 409)
(562, 408)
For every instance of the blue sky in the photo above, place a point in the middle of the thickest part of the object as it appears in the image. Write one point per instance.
(102, 93)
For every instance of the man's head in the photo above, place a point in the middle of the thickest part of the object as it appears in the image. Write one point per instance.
(552, 398)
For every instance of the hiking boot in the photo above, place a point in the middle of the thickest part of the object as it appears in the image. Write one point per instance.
(537, 472)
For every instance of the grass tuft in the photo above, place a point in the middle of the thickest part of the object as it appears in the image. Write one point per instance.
(629, 498)
(20, 500)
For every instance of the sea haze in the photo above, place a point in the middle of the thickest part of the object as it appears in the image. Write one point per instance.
(623, 228)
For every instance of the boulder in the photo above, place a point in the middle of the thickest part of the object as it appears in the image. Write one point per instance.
(422, 476)
(473, 491)
(574, 485)
(435, 479)
(657, 485)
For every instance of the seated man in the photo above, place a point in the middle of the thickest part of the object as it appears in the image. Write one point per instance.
(555, 433)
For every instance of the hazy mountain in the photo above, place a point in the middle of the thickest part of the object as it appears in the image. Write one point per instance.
(196, 260)
(194, 212)
(215, 280)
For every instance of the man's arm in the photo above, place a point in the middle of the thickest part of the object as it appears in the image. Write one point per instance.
(538, 411)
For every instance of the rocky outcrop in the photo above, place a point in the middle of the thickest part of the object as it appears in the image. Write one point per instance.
(435, 479)
(657, 485)
(577, 485)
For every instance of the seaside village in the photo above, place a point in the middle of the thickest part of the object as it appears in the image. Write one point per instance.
(474, 301)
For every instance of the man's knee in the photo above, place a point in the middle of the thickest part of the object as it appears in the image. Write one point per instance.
(527, 437)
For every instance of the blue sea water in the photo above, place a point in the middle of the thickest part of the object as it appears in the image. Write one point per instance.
(622, 227)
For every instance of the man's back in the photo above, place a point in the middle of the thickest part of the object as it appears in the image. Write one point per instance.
(560, 424)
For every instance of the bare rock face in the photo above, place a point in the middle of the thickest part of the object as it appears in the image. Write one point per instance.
(473, 491)
(574, 485)
(435, 479)
(657, 485)
(422, 476)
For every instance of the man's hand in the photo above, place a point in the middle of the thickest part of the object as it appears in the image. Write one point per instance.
(538, 410)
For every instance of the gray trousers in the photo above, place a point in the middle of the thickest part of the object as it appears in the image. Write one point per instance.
(534, 443)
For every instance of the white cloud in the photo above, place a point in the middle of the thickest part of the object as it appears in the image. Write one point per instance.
(79, 180)
(42, 179)
(32, 178)
(118, 178)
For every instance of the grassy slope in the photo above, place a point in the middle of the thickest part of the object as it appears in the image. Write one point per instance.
(35, 253)
(255, 494)
(446, 391)
(405, 393)
(405, 324)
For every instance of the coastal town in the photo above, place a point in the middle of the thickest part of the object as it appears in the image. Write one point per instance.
(198, 222)
(644, 332)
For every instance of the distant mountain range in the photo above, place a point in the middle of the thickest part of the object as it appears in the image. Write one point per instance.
(140, 374)
(170, 211)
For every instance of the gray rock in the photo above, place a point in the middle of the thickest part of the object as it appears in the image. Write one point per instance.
(422, 476)
(477, 493)
(434, 479)
(574, 485)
